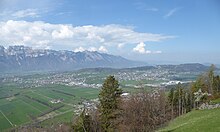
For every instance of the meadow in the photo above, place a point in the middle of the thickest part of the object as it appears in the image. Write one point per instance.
(196, 121)
(23, 106)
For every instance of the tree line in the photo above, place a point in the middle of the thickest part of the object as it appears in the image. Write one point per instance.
(203, 90)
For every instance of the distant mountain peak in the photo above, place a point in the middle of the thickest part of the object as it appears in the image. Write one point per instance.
(22, 58)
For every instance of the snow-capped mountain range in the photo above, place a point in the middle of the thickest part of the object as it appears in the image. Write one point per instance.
(21, 58)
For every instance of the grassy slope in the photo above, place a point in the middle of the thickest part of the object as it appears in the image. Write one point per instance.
(196, 121)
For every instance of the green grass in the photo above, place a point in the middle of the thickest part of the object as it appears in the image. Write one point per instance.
(18, 112)
(4, 124)
(63, 118)
(216, 101)
(34, 104)
(196, 121)
(20, 109)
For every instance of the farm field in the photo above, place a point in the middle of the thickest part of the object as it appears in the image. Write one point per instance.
(196, 121)
(21, 106)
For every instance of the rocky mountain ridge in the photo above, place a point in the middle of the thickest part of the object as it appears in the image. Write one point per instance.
(22, 58)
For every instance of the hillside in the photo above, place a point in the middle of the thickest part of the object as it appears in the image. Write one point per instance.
(188, 67)
(195, 121)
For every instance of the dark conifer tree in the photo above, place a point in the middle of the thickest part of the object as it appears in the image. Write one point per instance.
(109, 103)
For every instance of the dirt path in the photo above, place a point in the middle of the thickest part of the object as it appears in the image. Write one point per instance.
(6, 118)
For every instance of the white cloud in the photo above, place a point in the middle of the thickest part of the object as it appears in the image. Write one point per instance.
(63, 32)
(19, 14)
(145, 7)
(80, 49)
(26, 13)
(92, 49)
(140, 48)
(103, 49)
(121, 45)
(64, 13)
(171, 12)
(39, 34)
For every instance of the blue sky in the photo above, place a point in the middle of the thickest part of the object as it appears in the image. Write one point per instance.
(145, 30)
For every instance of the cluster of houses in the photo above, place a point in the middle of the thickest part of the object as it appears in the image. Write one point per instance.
(55, 101)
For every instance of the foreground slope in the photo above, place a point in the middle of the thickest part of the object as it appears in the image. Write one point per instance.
(196, 121)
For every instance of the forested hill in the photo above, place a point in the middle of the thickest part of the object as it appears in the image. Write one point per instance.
(188, 67)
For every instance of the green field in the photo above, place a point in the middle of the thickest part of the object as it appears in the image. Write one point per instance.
(196, 121)
(21, 106)
(216, 101)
